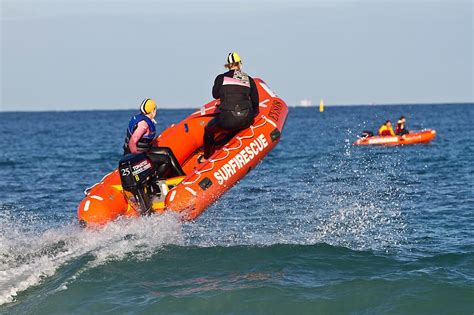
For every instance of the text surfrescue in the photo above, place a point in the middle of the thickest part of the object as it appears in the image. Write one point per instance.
(241, 159)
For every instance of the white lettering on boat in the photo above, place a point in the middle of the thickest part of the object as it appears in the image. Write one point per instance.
(241, 159)
(383, 140)
(141, 167)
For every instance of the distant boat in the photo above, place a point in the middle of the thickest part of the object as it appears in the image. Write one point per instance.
(321, 106)
(423, 136)
(305, 102)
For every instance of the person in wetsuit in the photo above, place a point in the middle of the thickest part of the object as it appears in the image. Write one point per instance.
(386, 129)
(140, 134)
(238, 102)
(400, 129)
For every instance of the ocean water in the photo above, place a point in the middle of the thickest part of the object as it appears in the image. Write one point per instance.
(320, 227)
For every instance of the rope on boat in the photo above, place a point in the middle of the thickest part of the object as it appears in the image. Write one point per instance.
(228, 149)
(88, 190)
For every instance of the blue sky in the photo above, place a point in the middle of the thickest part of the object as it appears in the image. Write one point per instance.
(77, 54)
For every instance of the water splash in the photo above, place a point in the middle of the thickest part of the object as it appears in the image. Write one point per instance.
(349, 197)
(362, 200)
(29, 255)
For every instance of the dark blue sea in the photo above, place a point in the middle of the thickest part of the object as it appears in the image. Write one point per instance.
(320, 227)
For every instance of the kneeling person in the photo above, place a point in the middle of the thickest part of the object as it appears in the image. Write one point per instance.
(239, 102)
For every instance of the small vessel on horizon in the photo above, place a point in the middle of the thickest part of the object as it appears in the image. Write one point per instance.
(306, 102)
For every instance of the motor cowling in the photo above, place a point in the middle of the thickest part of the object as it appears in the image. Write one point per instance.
(136, 172)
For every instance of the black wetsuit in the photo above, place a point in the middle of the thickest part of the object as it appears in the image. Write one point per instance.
(400, 130)
(239, 105)
(165, 162)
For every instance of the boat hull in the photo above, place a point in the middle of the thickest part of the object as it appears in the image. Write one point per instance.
(204, 183)
(424, 136)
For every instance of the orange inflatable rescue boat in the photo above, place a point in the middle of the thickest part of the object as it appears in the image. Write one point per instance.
(423, 136)
(126, 191)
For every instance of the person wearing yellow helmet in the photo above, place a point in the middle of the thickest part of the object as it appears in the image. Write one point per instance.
(239, 102)
(140, 134)
(141, 129)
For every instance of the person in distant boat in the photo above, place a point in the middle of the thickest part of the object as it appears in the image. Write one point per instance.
(140, 134)
(239, 102)
(400, 129)
(367, 134)
(386, 129)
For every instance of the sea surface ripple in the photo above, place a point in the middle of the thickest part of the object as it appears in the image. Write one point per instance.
(320, 226)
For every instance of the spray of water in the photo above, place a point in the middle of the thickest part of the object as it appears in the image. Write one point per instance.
(29, 255)
(351, 197)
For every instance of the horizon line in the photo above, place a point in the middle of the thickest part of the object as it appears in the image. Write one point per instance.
(179, 108)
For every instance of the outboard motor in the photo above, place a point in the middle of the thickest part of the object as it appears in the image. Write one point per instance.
(366, 134)
(136, 171)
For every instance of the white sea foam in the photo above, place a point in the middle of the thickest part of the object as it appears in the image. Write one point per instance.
(362, 227)
(28, 256)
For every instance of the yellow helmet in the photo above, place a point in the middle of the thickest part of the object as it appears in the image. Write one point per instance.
(148, 106)
(233, 57)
